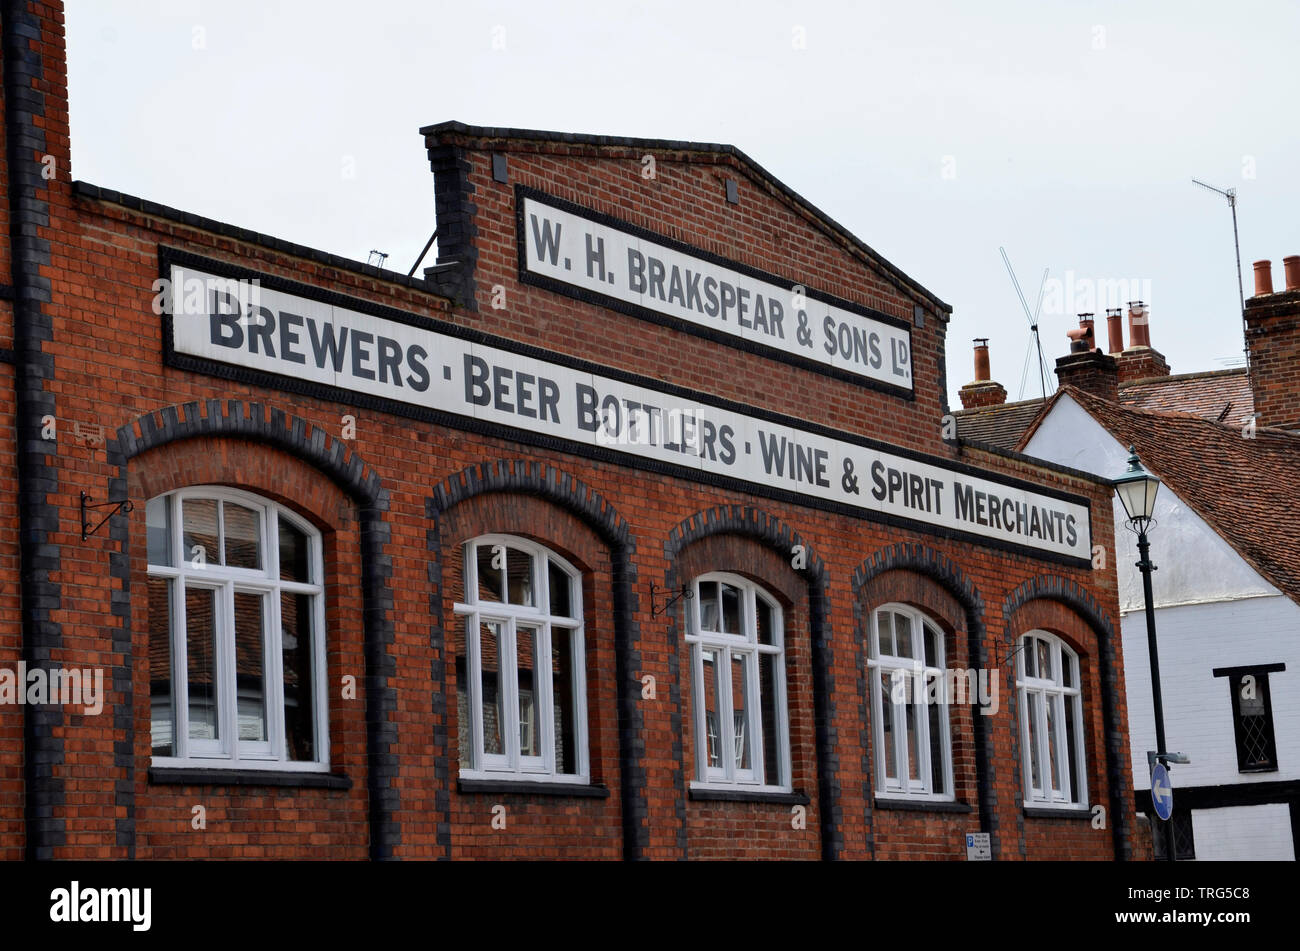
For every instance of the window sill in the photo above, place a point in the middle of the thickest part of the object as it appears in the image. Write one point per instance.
(921, 805)
(1057, 812)
(524, 787)
(197, 776)
(713, 794)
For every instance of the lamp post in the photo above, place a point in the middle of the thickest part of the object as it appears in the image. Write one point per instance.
(1137, 490)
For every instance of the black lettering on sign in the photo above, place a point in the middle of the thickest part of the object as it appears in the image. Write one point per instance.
(546, 241)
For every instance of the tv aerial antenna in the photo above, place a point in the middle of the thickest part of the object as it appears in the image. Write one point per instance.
(1231, 195)
(1035, 344)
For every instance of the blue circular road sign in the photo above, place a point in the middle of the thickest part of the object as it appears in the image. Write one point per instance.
(1162, 792)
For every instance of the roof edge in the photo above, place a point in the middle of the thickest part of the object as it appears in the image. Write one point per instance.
(909, 284)
(88, 192)
(1034, 461)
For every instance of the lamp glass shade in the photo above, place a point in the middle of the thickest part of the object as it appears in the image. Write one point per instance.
(1137, 490)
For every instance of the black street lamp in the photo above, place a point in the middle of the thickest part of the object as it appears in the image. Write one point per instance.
(1137, 490)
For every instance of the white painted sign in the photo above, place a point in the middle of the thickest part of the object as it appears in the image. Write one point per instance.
(979, 848)
(573, 249)
(246, 325)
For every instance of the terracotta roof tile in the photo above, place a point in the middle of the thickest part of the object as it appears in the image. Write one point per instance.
(1207, 395)
(1246, 489)
(999, 426)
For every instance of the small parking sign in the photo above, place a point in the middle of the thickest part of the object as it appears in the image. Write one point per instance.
(978, 847)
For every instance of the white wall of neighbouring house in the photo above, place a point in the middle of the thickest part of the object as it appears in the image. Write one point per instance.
(1212, 610)
(1194, 564)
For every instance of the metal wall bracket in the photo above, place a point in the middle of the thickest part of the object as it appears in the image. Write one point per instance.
(655, 610)
(123, 506)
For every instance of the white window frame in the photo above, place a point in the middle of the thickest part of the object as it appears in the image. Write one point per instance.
(472, 613)
(1033, 695)
(228, 751)
(903, 786)
(744, 645)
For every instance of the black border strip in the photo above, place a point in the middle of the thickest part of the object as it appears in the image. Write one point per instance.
(526, 788)
(169, 256)
(1248, 669)
(685, 326)
(187, 776)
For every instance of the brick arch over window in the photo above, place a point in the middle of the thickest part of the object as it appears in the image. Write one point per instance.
(1069, 593)
(769, 530)
(273, 427)
(531, 477)
(925, 561)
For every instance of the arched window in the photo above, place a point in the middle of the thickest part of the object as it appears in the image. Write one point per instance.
(1051, 721)
(520, 663)
(909, 700)
(742, 734)
(236, 633)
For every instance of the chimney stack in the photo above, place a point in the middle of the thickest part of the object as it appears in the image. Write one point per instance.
(1263, 278)
(1085, 366)
(1115, 329)
(1139, 331)
(1273, 339)
(983, 392)
(1140, 361)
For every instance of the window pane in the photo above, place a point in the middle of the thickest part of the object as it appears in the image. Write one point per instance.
(491, 569)
(1067, 669)
(492, 689)
(562, 689)
(741, 691)
(294, 553)
(199, 531)
(159, 522)
(464, 728)
(771, 729)
(1051, 703)
(708, 606)
(1027, 654)
(561, 588)
(731, 610)
(1256, 744)
(250, 666)
(201, 666)
(709, 662)
(938, 783)
(163, 722)
(526, 639)
(903, 636)
(1034, 716)
(1071, 740)
(243, 536)
(765, 617)
(885, 622)
(915, 724)
(520, 577)
(931, 645)
(888, 754)
(1044, 659)
(296, 652)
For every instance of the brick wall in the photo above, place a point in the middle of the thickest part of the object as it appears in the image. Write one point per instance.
(1273, 338)
(395, 503)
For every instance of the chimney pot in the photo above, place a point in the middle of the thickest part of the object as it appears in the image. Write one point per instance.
(1115, 329)
(1291, 266)
(1139, 333)
(1263, 277)
(982, 372)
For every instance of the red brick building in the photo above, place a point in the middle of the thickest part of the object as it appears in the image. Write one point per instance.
(601, 539)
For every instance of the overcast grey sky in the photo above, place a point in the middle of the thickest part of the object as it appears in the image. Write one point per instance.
(1068, 132)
